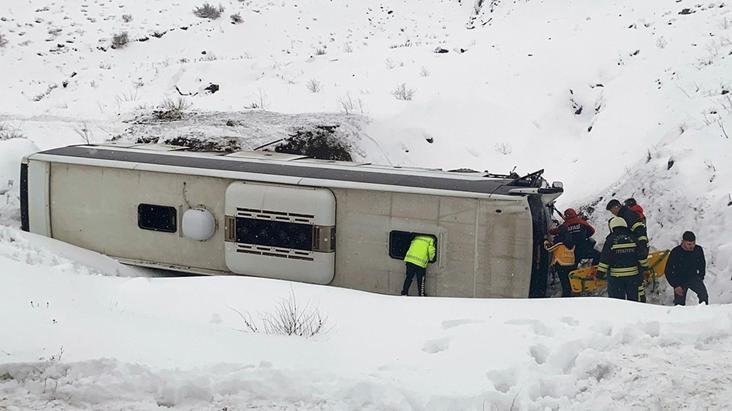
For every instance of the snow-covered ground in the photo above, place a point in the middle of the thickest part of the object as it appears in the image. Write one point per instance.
(73, 338)
(616, 98)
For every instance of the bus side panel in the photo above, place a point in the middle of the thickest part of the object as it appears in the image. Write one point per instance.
(39, 218)
(362, 227)
(457, 278)
(365, 221)
(97, 208)
(504, 248)
(466, 265)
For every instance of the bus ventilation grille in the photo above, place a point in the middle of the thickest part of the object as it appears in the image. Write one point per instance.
(274, 252)
(276, 216)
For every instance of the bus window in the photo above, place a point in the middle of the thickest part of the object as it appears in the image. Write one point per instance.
(399, 242)
(157, 218)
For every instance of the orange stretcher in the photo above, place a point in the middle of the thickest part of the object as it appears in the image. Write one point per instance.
(584, 280)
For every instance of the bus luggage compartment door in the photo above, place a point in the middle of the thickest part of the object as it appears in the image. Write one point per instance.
(279, 231)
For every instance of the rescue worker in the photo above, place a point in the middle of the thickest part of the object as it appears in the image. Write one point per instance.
(619, 261)
(421, 253)
(637, 227)
(685, 270)
(634, 206)
(580, 233)
(563, 260)
(635, 224)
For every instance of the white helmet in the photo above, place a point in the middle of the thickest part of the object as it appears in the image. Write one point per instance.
(616, 222)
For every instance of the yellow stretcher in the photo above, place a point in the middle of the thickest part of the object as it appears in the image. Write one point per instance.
(585, 282)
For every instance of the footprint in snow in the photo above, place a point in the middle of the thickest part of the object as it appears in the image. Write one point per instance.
(456, 323)
(537, 327)
(436, 345)
(539, 353)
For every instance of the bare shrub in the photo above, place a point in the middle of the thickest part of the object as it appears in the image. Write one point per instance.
(313, 85)
(207, 11)
(127, 18)
(661, 42)
(120, 40)
(503, 148)
(349, 105)
(171, 109)
(423, 72)
(260, 102)
(319, 51)
(236, 19)
(403, 93)
(84, 132)
(7, 132)
(3, 40)
(288, 318)
(348, 48)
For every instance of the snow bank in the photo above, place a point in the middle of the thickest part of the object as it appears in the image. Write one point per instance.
(180, 343)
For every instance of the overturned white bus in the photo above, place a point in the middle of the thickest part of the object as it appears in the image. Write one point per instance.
(291, 217)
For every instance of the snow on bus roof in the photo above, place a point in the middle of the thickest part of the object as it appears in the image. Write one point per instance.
(280, 164)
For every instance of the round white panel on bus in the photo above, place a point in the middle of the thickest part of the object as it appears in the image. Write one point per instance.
(198, 224)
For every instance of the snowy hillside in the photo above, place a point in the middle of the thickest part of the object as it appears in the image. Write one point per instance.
(616, 98)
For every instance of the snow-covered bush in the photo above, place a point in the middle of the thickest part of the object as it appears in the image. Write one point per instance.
(120, 40)
(171, 109)
(288, 318)
(236, 18)
(319, 142)
(313, 85)
(403, 93)
(7, 132)
(207, 11)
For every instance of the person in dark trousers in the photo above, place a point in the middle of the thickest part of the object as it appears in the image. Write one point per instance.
(579, 232)
(685, 270)
(421, 253)
(619, 261)
(636, 224)
(562, 259)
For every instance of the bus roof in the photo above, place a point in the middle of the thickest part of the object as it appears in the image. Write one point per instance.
(289, 165)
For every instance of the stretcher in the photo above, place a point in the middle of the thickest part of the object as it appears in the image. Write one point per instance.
(584, 280)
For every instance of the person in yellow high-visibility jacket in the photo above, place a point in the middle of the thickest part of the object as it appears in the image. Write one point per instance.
(421, 253)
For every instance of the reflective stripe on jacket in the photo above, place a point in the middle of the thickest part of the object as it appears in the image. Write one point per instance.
(620, 256)
(421, 251)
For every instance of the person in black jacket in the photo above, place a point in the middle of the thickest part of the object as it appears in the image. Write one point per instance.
(619, 261)
(685, 270)
(635, 224)
(579, 233)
